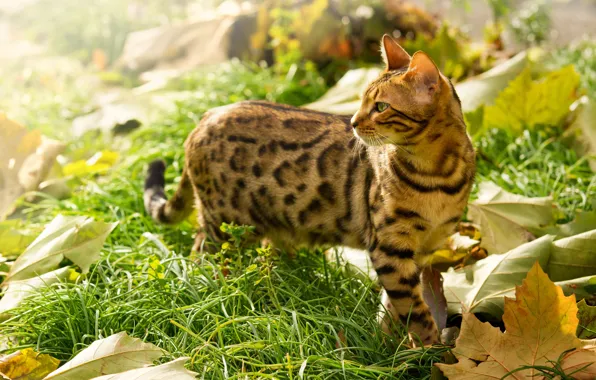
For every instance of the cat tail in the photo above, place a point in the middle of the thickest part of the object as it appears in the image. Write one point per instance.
(157, 204)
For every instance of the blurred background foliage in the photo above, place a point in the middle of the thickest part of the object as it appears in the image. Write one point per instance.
(297, 48)
(331, 33)
(79, 28)
(290, 51)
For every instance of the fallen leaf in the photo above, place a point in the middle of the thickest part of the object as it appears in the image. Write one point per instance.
(100, 162)
(14, 238)
(17, 291)
(581, 363)
(447, 256)
(583, 129)
(432, 285)
(504, 218)
(25, 159)
(584, 221)
(582, 287)
(480, 288)
(27, 364)
(171, 370)
(18, 142)
(56, 188)
(573, 257)
(591, 285)
(457, 248)
(114, 354)
(540, 326)
(78, 239)
(587, 320)
(526, 103)
(37, 166)
(589, 344)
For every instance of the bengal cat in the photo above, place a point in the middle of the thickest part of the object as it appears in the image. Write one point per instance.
(394, 179)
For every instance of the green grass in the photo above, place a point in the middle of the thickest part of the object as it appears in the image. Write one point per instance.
(269, 318)
(244, 311)
(537, 164)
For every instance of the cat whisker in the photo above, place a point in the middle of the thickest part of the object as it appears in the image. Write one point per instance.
(358, 148)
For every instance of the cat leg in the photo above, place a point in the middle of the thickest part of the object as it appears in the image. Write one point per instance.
(209, 237)
(202, 244)
(399, 275)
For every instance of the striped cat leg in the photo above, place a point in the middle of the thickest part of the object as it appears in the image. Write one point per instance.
(400, 276)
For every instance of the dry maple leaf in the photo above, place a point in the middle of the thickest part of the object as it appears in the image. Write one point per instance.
(540, 327)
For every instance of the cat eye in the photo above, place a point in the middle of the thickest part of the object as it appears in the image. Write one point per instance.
(380, 106)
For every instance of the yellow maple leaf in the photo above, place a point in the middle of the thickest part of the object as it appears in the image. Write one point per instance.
(540, 328)
(27, 364)
(527, 103)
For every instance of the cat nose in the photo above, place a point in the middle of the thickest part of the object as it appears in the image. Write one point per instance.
(354, 122)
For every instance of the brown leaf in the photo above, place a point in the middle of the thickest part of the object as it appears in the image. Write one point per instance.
(540, 326)
(434, 297)
(578, 359)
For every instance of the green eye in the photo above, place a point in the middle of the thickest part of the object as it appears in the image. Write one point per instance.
(381, 106)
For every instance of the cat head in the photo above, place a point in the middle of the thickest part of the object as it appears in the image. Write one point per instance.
(397, 107)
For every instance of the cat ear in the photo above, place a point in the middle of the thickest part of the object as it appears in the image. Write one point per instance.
(394, 56)
(423, 72)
